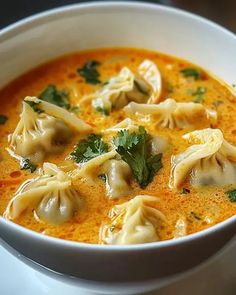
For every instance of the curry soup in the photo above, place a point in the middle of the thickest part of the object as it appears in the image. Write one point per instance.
(82, 83)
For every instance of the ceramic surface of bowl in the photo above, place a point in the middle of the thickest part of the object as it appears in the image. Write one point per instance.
(40, 38)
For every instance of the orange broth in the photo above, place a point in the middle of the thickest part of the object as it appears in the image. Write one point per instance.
(202, 207)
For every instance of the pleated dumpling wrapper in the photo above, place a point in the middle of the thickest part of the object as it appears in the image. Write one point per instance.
(211, 160)
(116, 174)
(145, 87)
(171, 114)
(133, 222)
(51, 195)
(43, 128)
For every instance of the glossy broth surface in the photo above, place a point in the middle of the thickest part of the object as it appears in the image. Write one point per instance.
(201, 208)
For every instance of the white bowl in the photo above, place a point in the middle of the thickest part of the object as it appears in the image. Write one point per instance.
(28, 43)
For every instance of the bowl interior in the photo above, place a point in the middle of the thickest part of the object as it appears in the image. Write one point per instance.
(40, 38)
(73, 28)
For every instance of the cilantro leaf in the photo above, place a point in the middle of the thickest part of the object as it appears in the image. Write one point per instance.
(58, 97)
(25, 164)
(231, 195)
(3, 119)
(102, 111)
(89, 72)
(34, 106)
(189, 72)
(132, 148)
(199, 94)
(126, 139)
(154, 164)
(89, 148)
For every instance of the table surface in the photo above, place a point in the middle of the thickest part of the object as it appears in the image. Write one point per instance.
(222, 12)
(217, 277)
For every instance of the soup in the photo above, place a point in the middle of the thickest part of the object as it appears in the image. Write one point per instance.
(117, 146)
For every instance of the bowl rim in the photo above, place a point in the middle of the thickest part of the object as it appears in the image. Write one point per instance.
(40, 18)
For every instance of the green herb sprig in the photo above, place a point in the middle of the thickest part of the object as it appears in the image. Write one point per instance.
(89, 72)
(133, 149)
(89, 148)
(199, 94)
(58, 97)
(190, 72)
(3, 119)
(231, 195)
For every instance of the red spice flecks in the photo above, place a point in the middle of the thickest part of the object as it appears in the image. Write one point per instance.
(15, 174)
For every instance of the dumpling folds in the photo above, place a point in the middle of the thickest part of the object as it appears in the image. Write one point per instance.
(116, 171)
(210, 161)
(89, 171)
(172, 114)
(126, 87)
(44, 130)
(150, 73)
(133, 222)
(118, 175)
(52, 196)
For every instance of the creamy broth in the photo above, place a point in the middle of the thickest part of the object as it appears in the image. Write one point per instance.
(197, 207)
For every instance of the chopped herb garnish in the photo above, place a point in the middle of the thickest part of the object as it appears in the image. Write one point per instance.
(89, 72)
(133, 148)
(231, 195)
(191, 73)
(3, 119)
(58, 97)
(75, 109)
(89, 148)
(34, 105)
(199, 94)
(102, 111)
(185, 191)
(103, 177)
(194, 215)
(26, 164)
(217, 103)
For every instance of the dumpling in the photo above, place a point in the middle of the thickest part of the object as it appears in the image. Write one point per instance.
(126, 87)
(119, 91)
(133, 222)
(52, 196)
(43, 128)
(89, 171)
(172, 114)
(118, 175)
(159, 144)
(151, 74)
(211, 160)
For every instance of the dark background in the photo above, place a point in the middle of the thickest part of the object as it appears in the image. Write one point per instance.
(220, 11)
